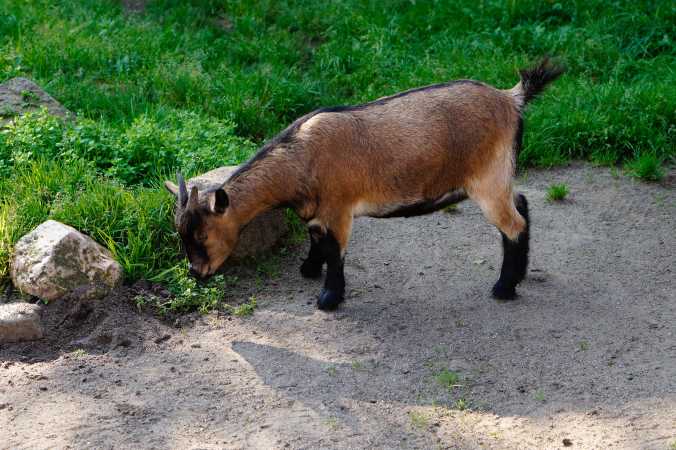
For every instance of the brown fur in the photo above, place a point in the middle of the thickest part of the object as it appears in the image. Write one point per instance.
(374, 159)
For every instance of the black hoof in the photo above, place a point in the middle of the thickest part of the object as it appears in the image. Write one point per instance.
(329, 300)
(311, 269)
(503, 292)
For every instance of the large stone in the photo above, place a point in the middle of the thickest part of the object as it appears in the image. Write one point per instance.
(258, 236)
(19, 322)
(55, 259)
(20, 95)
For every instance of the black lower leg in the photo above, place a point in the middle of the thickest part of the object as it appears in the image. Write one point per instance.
(312, 266)
(334, 285)
(515, 257)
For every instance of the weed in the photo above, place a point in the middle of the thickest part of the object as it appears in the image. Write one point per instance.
(460, 404)
(557, 192)
(268, 266)
(584, 346)
(331, 423)
(79, 353)
(539, 396)
(245, 309)
(29, 98)
(448, 379)
(331, 371)
(358, 366)
(647, 167)
(419, 420)
(451, 209)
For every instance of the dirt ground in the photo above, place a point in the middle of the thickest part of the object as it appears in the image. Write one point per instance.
(584, 358)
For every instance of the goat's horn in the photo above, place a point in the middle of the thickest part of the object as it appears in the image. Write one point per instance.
(182, 190)
(192, 202)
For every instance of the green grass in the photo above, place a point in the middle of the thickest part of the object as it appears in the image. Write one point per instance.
(172, 88)
(448, 378)
(245, 309)
(557, 192)
(646, 166)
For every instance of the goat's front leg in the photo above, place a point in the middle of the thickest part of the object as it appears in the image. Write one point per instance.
(312, 266)
(332, 242)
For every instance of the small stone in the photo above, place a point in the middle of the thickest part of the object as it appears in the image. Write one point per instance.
(55, 260)
(19, 96)
(567, 442)
(19, 322)
(195, 346)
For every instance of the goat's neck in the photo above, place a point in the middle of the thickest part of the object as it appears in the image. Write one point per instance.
(265, 185)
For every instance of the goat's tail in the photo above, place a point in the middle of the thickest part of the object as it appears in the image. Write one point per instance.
(534, 80)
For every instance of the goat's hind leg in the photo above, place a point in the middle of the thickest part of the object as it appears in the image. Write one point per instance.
(515, 256)
(510, 215)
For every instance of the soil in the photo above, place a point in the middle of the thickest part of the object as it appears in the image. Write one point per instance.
(584, 358)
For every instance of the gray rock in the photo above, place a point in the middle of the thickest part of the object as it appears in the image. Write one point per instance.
(55, 260)
(258, 236)
(20, 95)
(19, 322)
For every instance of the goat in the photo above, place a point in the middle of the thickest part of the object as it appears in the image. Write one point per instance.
(408, 154)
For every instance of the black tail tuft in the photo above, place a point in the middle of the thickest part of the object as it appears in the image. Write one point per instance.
(534, 81)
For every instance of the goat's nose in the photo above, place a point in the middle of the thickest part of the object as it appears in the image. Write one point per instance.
(192, 271)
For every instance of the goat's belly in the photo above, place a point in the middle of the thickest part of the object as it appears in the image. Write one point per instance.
(407, 208)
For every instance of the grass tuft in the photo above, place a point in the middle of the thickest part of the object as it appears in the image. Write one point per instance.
(448, 379)
(557, 192)
(647, 167)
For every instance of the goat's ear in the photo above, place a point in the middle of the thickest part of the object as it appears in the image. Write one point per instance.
(221, 201)
(171, 187)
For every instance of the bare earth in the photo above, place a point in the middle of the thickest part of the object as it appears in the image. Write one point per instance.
(585, 357)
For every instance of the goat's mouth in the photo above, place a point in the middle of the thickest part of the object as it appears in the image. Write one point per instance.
(199, 272)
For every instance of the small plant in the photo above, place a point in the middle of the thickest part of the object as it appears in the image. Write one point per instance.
(584, 345)
(331, 423)
(451, 209)
(557, 192)
(29, 98)
(460, 404)
(331, 371)
(647, 167)
(448, 379)
(245, 309)
(539, 395)
(79, 353)
(357, 365)
(418, 420)
(268, 267)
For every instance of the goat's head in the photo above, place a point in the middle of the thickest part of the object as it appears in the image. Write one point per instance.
(206, 226)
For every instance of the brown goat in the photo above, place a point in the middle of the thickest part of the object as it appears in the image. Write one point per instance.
(404, 155)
